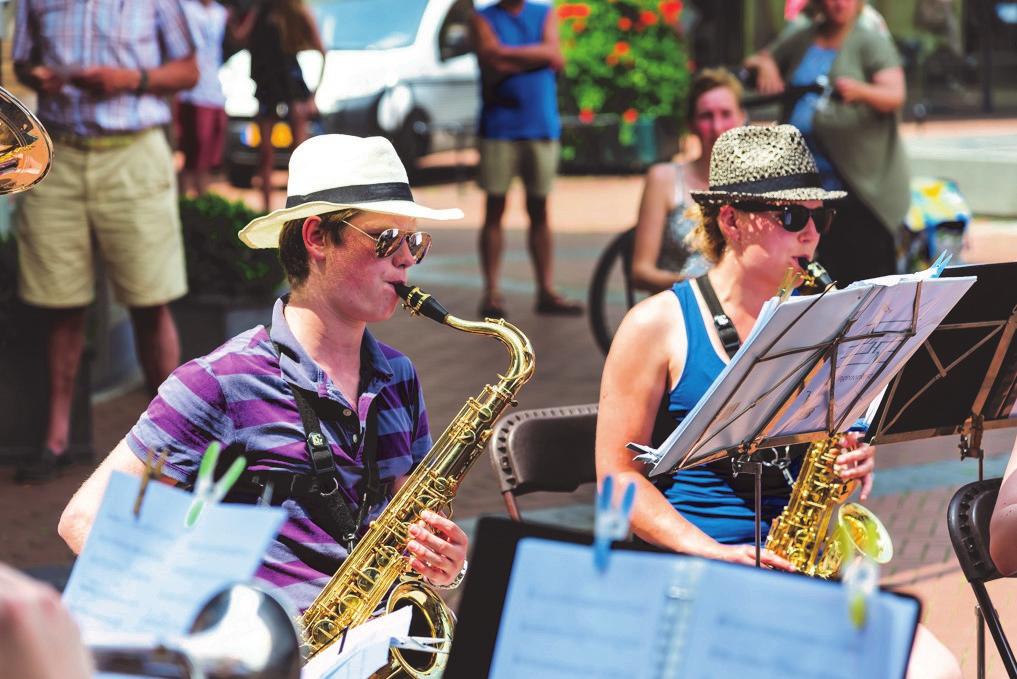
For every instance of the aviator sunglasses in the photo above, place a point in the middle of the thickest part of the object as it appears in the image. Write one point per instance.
(387, 242)
(794, 218)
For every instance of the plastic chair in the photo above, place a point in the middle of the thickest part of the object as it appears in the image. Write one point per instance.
(548, 449)
(968, 524)
(618, 254)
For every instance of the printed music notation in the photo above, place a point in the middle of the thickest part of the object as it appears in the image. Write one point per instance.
(150, 574)
(663, 616)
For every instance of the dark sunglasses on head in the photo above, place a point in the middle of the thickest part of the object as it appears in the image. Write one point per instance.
(388, 242)
(794, 218)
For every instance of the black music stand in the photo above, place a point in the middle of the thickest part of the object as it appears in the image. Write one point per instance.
(872, 330)
(963, 380)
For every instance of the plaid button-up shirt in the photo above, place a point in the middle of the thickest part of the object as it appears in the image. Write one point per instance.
(68, 35)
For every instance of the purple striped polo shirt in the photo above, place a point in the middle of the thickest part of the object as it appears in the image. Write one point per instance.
(238, 395)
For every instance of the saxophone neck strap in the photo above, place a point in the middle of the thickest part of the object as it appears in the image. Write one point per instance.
(721, 321)
(318, 491)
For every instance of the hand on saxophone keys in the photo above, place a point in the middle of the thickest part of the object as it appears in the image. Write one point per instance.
(438, 548)
(856, 462)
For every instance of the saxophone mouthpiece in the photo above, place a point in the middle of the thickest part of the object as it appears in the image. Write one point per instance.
(816, 271)
(419, 302)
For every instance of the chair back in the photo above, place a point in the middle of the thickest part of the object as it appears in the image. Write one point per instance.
(617, 253)
(968, 524)
(547, 449)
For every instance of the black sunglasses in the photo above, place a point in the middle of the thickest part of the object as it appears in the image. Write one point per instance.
(794, 218)
(388, 242)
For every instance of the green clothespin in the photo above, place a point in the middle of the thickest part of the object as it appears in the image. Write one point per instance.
(861, 576)
(207, 491)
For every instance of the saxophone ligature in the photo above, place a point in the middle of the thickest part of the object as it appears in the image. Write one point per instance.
(378, 566)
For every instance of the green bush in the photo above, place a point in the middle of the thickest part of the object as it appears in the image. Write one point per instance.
(217, 262)
(624, 60)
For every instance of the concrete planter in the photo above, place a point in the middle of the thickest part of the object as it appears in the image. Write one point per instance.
(207, 321)
(595, 148)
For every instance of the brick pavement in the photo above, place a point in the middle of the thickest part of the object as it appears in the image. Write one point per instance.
(453, 366)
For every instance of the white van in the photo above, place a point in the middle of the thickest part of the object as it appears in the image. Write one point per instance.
(403, 69)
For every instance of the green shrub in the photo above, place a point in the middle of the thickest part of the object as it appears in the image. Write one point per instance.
(624, 60)
(217, 262)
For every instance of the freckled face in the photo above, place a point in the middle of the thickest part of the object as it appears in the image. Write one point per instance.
(766, 247)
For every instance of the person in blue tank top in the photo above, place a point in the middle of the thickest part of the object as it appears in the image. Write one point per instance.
(517, 47)
(764, 208)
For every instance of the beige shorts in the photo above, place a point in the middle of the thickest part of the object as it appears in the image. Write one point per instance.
(124, 200)
(533, 160)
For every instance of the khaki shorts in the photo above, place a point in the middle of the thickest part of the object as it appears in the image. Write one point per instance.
(534, 160)
(126, 199)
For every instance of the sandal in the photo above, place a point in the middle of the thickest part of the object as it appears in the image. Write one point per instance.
(492, 309)
(559, 306)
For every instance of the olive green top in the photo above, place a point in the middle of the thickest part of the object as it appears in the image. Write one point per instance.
(863, 144)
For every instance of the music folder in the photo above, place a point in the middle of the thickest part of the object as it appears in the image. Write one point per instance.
(535, 605)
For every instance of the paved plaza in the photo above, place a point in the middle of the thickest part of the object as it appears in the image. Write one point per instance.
(913, 483)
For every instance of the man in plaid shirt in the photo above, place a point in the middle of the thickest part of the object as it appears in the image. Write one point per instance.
(102, 70)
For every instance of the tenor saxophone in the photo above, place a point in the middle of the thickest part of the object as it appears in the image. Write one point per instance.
(378, 566)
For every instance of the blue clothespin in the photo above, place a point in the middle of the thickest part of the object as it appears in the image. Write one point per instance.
(861, 576)
(611, 523)
(206, 490)
(944, 258)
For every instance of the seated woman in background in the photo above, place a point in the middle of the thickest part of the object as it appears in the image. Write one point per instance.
(1003, 525)
(660, 256)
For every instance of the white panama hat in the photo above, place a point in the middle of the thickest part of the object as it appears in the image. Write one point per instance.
(339, 171)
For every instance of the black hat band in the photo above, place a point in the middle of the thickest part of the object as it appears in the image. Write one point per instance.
(360, 193)
(807, 180)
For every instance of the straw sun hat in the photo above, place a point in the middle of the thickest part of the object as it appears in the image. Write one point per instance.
(763, 163)
(338, 171)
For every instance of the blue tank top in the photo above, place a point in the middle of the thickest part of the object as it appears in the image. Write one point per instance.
(709, 496)
(523, 105)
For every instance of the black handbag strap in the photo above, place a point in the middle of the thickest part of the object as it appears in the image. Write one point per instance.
(721, 321)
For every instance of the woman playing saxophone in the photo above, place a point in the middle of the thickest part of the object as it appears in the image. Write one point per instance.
(765, 208)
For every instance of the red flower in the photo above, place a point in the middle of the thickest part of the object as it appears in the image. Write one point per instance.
(647, 17)
(670, 9)
(574, 11)
(621, 47)
(611, 60)
(624, 23)
(630, 116)
(579, 27)
(586, 116)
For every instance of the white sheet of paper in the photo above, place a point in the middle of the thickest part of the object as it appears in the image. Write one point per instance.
(742, 399)
(563, 619)
(365, 650)
(150, 574)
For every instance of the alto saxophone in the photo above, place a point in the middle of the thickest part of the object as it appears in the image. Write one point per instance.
(379, 560)
(799, 534)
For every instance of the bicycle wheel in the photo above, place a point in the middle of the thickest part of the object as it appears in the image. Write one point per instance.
(611, 293)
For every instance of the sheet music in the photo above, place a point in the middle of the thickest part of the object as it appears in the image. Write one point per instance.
(889, 311)
(766, 625)
(783, 350)
(563, 619)
(365, 649)
(150, 574)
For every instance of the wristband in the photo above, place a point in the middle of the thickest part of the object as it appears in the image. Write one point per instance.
(456, 582)
(142, 81)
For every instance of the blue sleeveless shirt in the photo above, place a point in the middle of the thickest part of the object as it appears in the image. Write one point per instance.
(522, 105)
(710, 497)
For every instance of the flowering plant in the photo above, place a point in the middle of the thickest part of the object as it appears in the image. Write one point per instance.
(622, 57)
